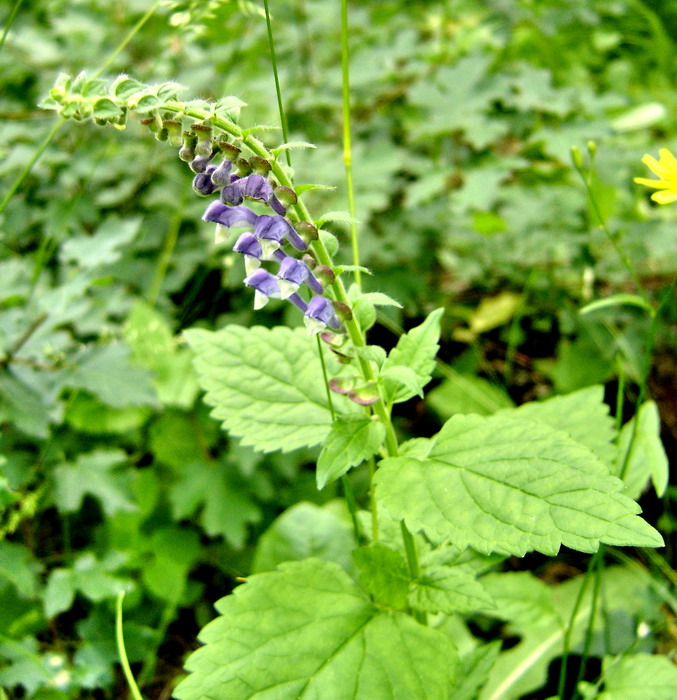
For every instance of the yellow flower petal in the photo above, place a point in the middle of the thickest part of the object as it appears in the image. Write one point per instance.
(656, 184)
(664, 197)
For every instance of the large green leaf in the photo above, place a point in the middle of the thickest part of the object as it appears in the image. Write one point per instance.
(266, 385)
(506, 485)
(583, 414)
(307, 631)
(416, 350)
(352, 439)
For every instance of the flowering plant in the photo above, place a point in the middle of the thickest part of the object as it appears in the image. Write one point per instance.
(374, 608)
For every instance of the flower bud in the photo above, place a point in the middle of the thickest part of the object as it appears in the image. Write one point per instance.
(187, 150)
(204, 139)
(576, 157)
(162, 134)
(243, 167)
(286, 195)
(306, 230)
(174, 131)
(202, 183)
(325, 274)
(151, 123)
(259, 165)
(342, 310)
(199, 163)
(221, 176)
(229, 150)
(310, 261)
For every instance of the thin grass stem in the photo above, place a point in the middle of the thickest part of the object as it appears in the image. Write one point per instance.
(120, 640)
(347, 148)
(8, 23)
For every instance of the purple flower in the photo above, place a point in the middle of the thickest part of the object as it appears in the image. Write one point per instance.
(254, 186)
(229, 216)
(319, 315)
(221, 175)
(225, 217)
(292, 274)
(276, 228)
(265, 286)
(249, 246)
(202, 182)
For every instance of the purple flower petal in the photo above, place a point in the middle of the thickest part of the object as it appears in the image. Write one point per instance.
(257, 187)
(262, 281)
(293, 270)
(219, 213)
(276, 205)
(319, 315)
(203, 185)
(248, 244)
(276, 228)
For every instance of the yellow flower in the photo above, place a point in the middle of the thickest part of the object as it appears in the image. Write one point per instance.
(666, 169)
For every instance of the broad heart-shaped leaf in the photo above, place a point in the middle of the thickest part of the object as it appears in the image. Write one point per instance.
(352, 439)
(416, 350)
(499, 484)
(639, 677)
(583, 414)
(646, 458)
(308, 631)
(265, 385)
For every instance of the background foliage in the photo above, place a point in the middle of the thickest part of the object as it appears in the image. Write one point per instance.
(114, 477)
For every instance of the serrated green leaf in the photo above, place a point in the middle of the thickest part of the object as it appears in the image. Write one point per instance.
(417, 350)
(19, 568)
(384, 574)
(227, 508)
(94, 473)
(104, 370)
(646, 459)
(104, 247)
(352, 439)
(314, 632)
(303, 531)
(638, 677)
(449, 590)
(504, 485)
(583, 414)
(404, 376)
(266, 385)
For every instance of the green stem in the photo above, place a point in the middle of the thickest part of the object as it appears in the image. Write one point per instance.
(597, 563)
(566, 642)
(347, 150)
(166, 253)
(278, 91)
(119, 638)
(29, 166)
(9, 21)
(586, 177)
